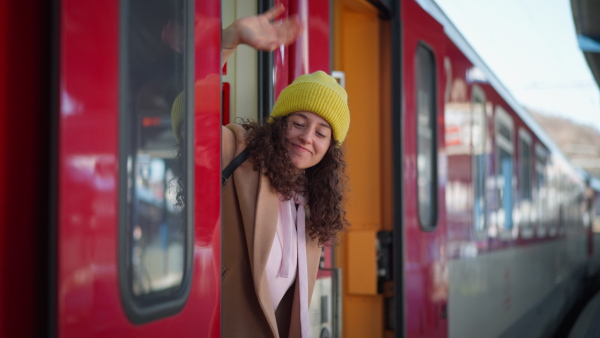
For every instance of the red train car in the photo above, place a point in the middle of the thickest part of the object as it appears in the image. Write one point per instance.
(466, 219)
(475, 215)
(121, 233)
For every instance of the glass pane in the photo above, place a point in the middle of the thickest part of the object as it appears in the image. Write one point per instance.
(505, 131)
(478, 160)
(479, 207)
(525, 186)
(153, 76)
(525, 169)
(426, 138)
(542, 190)
(505, 188)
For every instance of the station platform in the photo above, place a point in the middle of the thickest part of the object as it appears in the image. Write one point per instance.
(588, 322)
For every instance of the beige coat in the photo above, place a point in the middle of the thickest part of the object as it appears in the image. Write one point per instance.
(249, 223)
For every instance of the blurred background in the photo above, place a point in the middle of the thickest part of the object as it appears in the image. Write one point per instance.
(532, 47)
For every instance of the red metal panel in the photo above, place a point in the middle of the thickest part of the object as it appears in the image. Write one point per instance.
(87, 163)
(426, 285)
(205, 296)
(299, 59)
(89, 303)
(311, 51)
(320, 39)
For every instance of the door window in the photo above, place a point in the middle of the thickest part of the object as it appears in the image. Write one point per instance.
(426, 137)
(155, 223)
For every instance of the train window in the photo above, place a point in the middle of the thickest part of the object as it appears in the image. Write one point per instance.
(479, 156)
(426, 137)
(553, 206)
(525, 185)
(504, 171)
(596, 207)
(562, 202)
(541, 190)
(155, 227)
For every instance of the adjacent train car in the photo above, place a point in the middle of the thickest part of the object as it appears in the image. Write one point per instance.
(475, 214)
(467, 221)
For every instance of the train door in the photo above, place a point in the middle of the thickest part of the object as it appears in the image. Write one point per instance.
(362, 52)
(138, 189)
(393, 256)
(423, 162)
(252, 80)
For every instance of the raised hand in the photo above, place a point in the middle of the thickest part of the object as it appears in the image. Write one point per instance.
(262, 32)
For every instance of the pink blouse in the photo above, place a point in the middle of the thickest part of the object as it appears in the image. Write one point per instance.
(288, 253)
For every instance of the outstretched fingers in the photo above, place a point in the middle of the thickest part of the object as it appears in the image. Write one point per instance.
(263, 32)
(290, 30)
(274, 12)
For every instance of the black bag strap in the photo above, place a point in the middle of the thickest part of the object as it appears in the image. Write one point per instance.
(236, 162)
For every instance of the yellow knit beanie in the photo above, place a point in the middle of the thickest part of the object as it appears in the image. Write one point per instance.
(320, 94)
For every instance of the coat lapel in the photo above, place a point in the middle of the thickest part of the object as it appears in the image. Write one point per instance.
(259, 208)
(260, 225)
(313, 257)
(257, 201)
(265, 227)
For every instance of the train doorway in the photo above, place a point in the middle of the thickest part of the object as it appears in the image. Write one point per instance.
(361, 40)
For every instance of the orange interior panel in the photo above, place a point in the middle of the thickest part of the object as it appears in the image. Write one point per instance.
(358, 53)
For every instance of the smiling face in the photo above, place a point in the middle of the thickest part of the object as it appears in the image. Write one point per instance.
(309, 137)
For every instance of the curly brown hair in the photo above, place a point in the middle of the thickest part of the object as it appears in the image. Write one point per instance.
(323, 184)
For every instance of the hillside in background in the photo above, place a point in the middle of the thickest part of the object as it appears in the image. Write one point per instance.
(580, 143)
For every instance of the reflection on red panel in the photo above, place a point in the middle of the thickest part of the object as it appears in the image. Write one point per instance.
(280, 57)
(88, 298)
(87, 144)
(298, 52)
(206, 291)
(311, 51)
(426, 262)
(320, 41)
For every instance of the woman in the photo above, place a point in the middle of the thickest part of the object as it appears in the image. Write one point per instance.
(285, 202)
(271, 242)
